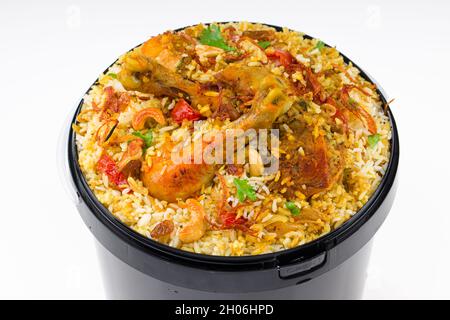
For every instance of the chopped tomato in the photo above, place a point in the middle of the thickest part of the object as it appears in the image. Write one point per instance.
(228, 220)
(282, 57)
(183, 111)
(109, 167)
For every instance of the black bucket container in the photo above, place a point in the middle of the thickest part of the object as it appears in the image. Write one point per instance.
(331, 267)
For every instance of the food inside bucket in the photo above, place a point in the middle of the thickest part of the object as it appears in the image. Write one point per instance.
(232, 139)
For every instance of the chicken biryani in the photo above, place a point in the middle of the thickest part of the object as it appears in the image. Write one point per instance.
(157, 138)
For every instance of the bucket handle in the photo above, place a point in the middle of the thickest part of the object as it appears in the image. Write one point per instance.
(303, 268)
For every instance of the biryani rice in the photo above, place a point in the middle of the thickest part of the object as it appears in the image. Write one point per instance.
(364, 165)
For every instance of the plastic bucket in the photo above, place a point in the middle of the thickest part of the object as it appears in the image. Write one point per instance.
(331, 267)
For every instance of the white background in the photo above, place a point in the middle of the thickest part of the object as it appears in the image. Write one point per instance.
(51, 51)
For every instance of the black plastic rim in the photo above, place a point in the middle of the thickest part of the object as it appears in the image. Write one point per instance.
(310, 249)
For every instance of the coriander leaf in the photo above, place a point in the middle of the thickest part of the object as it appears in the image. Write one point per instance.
(320, 45)
(373, 139)
(147, 137)
(292, 208)
(264, 44)
(211, 36)
(244, 190)
(112, 75)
